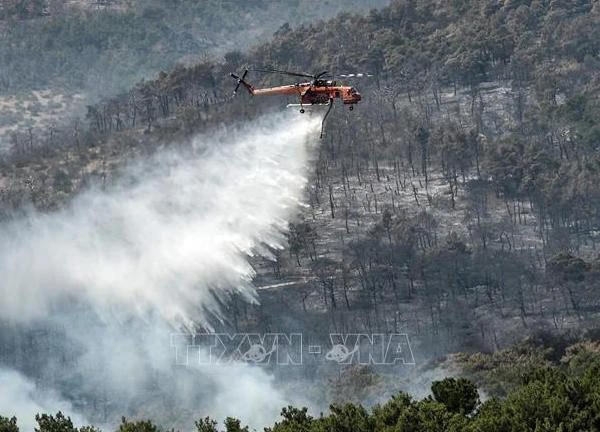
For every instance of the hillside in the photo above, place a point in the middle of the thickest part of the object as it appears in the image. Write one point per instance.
(466, 131)
(457, 204)
(86, 50)
(109, 45)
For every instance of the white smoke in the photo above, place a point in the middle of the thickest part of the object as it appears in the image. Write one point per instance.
(19, 397)
(162, 242)
(118, 270)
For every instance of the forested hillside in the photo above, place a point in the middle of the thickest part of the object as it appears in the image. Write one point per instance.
(463, 188)
(58, 55)
(458, 203)
(106, 45)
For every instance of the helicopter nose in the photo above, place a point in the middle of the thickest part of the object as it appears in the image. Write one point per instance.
(357, 97)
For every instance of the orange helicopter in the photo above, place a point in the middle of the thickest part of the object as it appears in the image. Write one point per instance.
(319, 91)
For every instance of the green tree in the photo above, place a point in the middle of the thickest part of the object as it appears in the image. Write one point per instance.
(458, 395)
(206, 425)
(138, 426)
(491, 417)
(393, 412)
(8, 424)
(89, 429)
(58, 423)
(234, 425)
(294, 419)
(347, 418)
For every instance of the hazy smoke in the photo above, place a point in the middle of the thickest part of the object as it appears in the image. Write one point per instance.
(115, 272)
(24, 400)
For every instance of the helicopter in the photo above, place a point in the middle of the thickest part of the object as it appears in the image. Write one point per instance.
(318, 91)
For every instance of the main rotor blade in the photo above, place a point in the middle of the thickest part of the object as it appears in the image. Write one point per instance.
(283, 72)
(317, 76)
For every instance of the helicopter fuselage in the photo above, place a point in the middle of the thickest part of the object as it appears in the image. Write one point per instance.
(316, 92)
(312, 94)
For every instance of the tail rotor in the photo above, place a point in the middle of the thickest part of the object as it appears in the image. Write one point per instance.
(240, 81)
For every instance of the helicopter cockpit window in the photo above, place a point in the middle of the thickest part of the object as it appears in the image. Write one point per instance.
(353, 91)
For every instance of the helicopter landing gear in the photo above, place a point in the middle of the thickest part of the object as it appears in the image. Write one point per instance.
(302, 111)
(351, 107)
